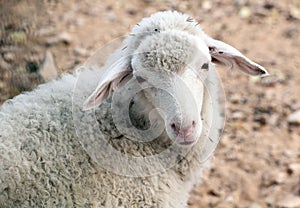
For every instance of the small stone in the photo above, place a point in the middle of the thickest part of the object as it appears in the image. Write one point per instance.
(45, 31)
(48, 69)
(237, 115)
(294, 168)
(280, 178)
(3, 64)
(270, 178)
(111, 16)
(245, 13)
(255, 205)
(289, 201)
(274, 120)
(81, 51)
(207, 5)
(270, 81)
(294, 118)
(239, 3)
(2, 84)
(80, 22)
(291, 154)
(63, 37)
(235, 99)
(294, 13)
(255, 79)
(9, 56)
(291, 32)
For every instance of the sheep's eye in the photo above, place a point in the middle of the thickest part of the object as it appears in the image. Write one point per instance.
(211, 49)
(140, 79)
(205, 66)
(156, 30)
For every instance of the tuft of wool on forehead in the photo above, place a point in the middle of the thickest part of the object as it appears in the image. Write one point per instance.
(167, 51)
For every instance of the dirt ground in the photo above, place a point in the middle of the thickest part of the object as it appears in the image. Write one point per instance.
(257, 163)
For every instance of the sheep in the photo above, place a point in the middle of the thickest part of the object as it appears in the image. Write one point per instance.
(141, 139)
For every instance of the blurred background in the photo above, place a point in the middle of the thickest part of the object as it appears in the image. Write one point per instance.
(257, 163)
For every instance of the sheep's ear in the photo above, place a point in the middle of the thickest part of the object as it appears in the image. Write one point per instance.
(113, 78)
(227, 55)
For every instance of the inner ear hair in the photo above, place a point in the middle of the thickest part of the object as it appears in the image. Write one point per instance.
(216, 61)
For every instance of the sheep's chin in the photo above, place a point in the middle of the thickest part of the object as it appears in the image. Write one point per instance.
(183, 141)
(186, 143)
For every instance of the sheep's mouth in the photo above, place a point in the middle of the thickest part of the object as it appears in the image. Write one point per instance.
(185, 143)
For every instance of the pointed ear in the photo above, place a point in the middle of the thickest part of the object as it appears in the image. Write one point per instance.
(227, 55)
(113, 78)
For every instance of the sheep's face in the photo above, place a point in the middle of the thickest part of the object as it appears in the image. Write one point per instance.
(169, 56)
(172, 78)
(179, 102)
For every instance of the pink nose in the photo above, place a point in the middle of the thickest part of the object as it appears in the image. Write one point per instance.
(183, 132)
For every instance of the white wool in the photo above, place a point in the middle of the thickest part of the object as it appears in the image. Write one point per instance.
(46, 159)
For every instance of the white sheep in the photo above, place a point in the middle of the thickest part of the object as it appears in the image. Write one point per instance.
(53, 154)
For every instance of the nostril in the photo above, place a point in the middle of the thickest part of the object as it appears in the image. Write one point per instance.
(173, 126)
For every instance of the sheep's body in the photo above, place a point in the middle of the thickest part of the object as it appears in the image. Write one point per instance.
(42, 163)
(44, 160)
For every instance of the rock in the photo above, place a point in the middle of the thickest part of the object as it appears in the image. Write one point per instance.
(111, 16)
(239, 3)
(289, 201)
(245, 13)
(270, 81)
(80, 22)
(291, 32)
(148, 1)
(291, 154)
(294, 118)
(236, 99)
(274, 120)
(9, 56)
(280, 177)
(271, 178)
(45, 31)
(294, 13)
(2, 84)
(63, 37)
(237, 115)
(294, 168)
(3, 64)
(81, 51)
(48, 69)
(207, 5)
(255, 205)
(255, 79)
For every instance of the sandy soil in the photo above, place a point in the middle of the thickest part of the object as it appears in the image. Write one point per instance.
(257, 163)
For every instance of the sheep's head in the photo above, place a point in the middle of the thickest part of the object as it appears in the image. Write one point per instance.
(170, 68)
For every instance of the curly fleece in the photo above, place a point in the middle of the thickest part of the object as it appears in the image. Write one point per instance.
(43, 164)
